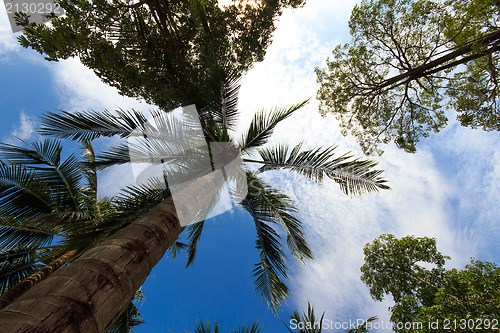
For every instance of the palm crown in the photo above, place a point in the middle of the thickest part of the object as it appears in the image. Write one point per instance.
(268, 206)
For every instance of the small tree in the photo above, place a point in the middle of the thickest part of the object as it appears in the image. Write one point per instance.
(449, 298)
(408, 62)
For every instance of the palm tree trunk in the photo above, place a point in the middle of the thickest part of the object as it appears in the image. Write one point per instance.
(13, 293)
(90, 294)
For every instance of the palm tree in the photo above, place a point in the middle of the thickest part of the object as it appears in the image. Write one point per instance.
(48, 215)
(122, 262)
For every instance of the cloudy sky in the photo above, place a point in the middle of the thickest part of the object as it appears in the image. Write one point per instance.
(448, 190)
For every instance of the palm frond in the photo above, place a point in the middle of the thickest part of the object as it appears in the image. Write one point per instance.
(174, 157)
(63, 177)
(269, 272)
(280, 209)
(26, 236)
(247, 328)
(16, 264)
(310, 324)
(22, 193)
(90, 125)
(115, 155)
(139, 199)
(202, 327)
(130, 318)
(176, 248)
(263, 124)
(272, 267)
(353, 175)
(194, 235)
(224, 108)
(130, 204)
(47, 152)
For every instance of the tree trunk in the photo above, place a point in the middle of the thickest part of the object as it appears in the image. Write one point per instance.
(90, 294)
(13, 293)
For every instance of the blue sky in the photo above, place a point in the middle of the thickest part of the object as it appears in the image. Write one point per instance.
(449, 189)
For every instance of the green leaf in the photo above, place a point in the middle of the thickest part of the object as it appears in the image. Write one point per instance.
(263, 124)
(353, 175)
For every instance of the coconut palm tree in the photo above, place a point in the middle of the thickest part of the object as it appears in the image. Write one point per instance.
(122, 262)
(49, 214)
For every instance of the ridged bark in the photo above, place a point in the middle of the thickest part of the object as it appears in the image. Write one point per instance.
(88, 295)
(15, 292)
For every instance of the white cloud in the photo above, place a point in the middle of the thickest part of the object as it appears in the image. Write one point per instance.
(8, 43)
(23, 130)
(80, 89)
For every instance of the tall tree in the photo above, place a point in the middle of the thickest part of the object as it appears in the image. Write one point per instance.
(410, 63)
(431, 300)
(50, 213)
(108, 274)
(162, 51)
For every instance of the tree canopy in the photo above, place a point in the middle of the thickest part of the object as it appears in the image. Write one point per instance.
(409, 65)
(169, 53)
(441, 300)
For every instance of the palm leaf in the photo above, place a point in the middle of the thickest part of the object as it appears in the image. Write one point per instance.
(272, 267)
(269, 272)
(202, 327)
(115, 155)
(16, 264)
(311, 325)
(130, 204)
(354, 176)
(263, 124)
(173, 156)
(44, 158)
(23, 193)
(21, 235)
(137, 200)
(247, 328)
(194, 234)
(176, 248)
(206, 327)
(280, 209)
(223, 109)
(130, 318)
(90, 125)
